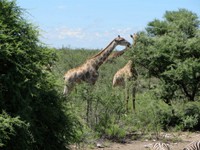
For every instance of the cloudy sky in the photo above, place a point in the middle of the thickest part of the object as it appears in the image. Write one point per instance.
(94, 24)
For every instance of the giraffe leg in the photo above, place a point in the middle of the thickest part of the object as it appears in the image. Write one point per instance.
(127, 99)
(126, 95)
(88, 111)
(133, 92)
(67, 89)
(89, 107)
(133, 97)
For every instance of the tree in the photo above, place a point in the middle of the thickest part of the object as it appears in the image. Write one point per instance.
(33, 116)
(170, 51)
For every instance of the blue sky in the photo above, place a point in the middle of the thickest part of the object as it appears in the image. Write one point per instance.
(94, 24)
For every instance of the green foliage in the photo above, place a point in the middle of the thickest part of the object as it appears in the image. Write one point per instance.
(8, 130)
(36, 117)
(115, 132)
(151, 114)
(106, 115)
(188, 116)
(170, 50)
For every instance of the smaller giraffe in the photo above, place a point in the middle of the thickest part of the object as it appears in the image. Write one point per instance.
(88, 71)
(126, 77)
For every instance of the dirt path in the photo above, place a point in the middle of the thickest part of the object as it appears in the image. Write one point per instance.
(177, 141)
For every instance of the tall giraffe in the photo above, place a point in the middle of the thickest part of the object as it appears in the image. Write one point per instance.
(126, 77)
(88, 71)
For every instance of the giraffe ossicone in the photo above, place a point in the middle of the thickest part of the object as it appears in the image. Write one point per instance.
(88, 71)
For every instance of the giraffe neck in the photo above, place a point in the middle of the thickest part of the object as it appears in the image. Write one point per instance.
(98, 59)
(117, 54)
(134, 40)
(129, 64)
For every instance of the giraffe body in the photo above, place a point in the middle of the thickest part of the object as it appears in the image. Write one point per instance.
(88, 72)
(127, 73)
(82, 73)
(126, 77)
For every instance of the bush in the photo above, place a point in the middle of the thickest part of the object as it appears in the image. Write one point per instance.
(115, 132)
(28, 93)
(8, 131)
(189, 114)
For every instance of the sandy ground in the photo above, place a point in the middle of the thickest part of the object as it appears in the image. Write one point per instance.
(180, 141)
(177, 141)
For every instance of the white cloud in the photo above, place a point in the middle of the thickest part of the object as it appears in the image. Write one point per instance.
(61, 7)
(60, 33)
(65, 32)
(85, 38)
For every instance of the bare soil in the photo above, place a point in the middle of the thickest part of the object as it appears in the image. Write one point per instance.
(177, 141)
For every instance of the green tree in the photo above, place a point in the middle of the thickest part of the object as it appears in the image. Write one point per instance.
(170, 51)
(33, 116)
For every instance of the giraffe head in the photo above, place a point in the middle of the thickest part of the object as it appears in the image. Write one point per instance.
(134, 37)
(121, 41)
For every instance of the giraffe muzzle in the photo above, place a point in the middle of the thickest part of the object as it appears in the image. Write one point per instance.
(128, 45)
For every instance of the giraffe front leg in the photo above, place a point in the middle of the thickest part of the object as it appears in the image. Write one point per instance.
(133, 97)
(133, 92)
(65, 90)
(126, 97)
(68, 88)
(127, 84)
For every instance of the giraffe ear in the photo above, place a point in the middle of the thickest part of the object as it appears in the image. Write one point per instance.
(118, 36)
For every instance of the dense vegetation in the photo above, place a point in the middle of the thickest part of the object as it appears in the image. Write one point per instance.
(31, 112)
(170, 50)
(35, 115)
(167, 59)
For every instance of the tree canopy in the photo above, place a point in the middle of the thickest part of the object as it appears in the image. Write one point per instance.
(170, 50)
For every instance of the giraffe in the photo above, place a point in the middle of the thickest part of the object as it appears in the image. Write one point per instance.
(126, 77)
(88, 71)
